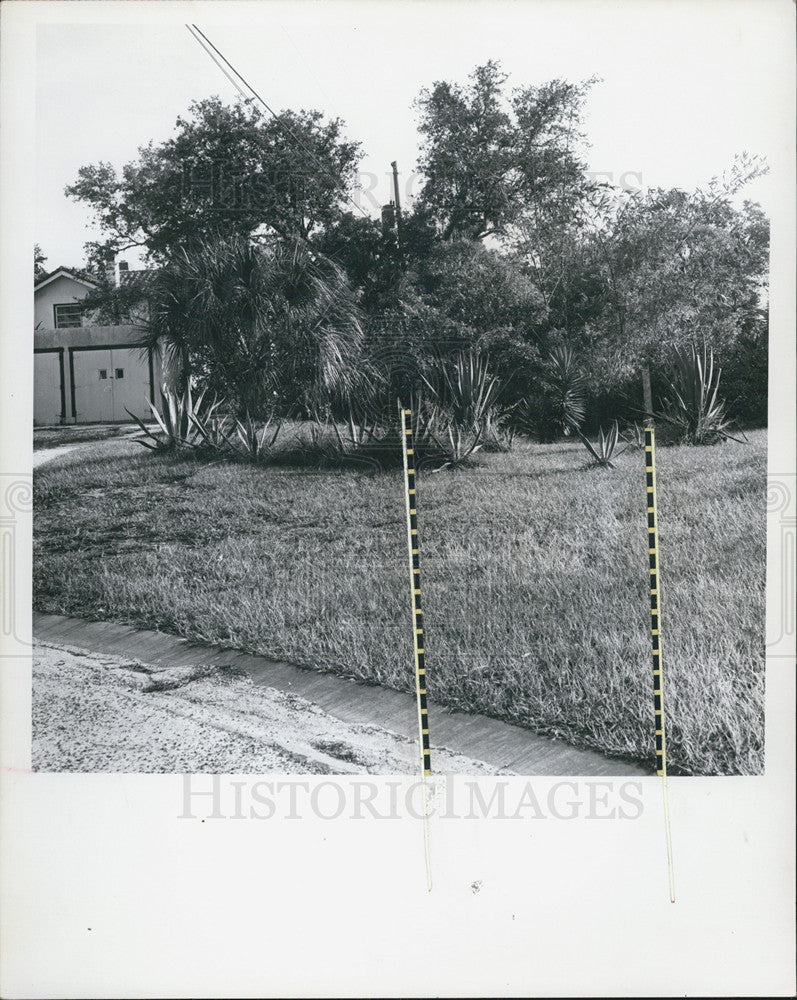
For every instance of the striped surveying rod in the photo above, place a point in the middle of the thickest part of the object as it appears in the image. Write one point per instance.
(655, 634)
(408, 452)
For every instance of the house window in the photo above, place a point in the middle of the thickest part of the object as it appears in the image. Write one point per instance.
(103, 373)
(68, 314)
(120, 373)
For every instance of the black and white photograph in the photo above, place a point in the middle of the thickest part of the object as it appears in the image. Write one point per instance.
(409, 394)
(236, 287)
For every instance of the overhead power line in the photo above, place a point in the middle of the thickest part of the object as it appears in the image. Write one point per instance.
(209, 51)
(212, 51)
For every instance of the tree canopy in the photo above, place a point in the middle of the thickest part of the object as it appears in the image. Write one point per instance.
(678, 267)
(488, 158)
(39, 260)
(510, 248)
(228, 170)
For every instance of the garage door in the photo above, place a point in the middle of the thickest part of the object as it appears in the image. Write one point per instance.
(130, 383)
(108, 382)
(47, 388)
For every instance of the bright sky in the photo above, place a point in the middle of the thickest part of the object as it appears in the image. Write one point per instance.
(685, 85)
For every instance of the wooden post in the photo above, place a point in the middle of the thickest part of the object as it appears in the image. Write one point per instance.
(399, 220)
(648, 395)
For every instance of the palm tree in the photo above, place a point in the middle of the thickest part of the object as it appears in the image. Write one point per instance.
(266, 326)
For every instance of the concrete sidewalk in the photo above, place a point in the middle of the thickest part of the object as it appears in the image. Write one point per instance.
(498, 744)
(48, 454)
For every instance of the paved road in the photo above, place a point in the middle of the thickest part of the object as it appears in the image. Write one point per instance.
(97, 712)
(377, 728)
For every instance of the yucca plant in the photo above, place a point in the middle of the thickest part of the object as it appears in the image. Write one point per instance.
(605, 448)
(560, 404)
(692, 403)
(254, 442)
(458, 406)
(375, 439)
(564, 390)
(175, 421)
(364, 426)
(212, 431)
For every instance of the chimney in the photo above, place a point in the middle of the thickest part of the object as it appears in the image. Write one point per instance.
(110, 270)
(124, 270)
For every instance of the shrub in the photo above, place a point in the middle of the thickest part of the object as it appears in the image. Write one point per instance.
(692, 404)
(319, 444)
(559, 406)
(745, 377)
(253, 442)
(177, 421)
(459, 407)
(606, 447)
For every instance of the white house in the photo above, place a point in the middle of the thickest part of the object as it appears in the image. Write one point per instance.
(56, 299)
(84, 372)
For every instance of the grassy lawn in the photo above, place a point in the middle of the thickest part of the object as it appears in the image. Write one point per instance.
(54, 437)
(534, 579)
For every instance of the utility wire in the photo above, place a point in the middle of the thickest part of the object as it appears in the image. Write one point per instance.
(200, 36)
(212, 52)
(222, 68)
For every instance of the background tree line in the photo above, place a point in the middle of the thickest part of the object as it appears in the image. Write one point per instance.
(272, 292)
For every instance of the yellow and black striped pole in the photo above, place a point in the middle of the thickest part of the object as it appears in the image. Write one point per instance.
(655, 634)
(413, 545)
(655, 603)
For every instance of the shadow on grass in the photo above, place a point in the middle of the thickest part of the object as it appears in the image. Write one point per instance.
(54, 437)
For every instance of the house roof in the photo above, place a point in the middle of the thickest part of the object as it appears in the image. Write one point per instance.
(132, 274)
(64, 272)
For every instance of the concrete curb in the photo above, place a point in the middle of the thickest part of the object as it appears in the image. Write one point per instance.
(499, 744)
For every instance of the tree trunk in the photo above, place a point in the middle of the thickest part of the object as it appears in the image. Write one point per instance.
(648, 394)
